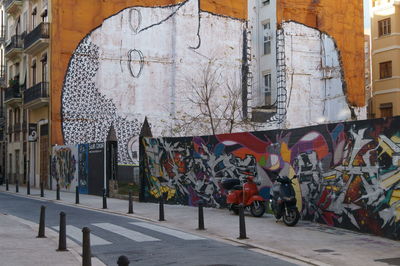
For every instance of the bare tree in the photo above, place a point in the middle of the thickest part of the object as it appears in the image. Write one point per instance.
(213, 105)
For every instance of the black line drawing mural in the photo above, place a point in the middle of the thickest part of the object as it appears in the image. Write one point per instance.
(136, 65)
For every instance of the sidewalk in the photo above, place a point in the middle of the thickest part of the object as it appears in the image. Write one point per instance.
(19, 246)
(307, 242)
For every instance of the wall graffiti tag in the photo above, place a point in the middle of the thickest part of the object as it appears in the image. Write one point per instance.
(349, 173)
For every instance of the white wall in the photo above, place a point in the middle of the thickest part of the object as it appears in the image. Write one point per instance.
(314, 89)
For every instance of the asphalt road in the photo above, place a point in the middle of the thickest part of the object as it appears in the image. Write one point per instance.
(142, 242)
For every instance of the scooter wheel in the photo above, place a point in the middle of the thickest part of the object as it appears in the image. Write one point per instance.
(257, 208)
(292, 217)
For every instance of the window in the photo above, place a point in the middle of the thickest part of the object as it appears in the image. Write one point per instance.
(384, 27)
(34, 12)
(25, 21)
(33, 72)
(385, 70)
(265, 2)
(267, 88)
(267, 37)
(386, 109)
(44, 67)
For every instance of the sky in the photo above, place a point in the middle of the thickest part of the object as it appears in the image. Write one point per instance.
(367, 20)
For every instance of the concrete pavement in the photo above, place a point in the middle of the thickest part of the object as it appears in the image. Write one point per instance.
(306, 243)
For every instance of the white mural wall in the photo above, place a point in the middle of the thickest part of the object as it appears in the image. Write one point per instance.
(138, 64)
(311, 91)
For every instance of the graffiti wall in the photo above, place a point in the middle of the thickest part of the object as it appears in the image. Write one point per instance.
(143, 50)
(348, 173)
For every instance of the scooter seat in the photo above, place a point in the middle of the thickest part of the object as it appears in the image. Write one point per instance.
(238, 187)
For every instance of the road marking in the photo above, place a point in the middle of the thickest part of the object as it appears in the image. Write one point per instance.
(168, 231)
(76, 234)
(131, 234)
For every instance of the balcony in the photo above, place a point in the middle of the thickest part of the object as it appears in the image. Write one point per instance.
(12, 6)
(14, 46)
(37, 96)
(12, 95)
(37, 39)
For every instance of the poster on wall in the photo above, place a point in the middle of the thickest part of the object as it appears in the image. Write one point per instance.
(83, 168)
(64, 164)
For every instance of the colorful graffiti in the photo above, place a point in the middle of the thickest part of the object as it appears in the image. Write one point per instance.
(348, 173)
(63, 166)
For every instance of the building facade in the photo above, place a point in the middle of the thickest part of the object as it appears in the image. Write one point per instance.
(27, 90)
(385, 36)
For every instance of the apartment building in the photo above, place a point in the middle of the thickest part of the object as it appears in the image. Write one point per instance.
(385, 36)
(341, 20)
(26, 97)
(3, 83)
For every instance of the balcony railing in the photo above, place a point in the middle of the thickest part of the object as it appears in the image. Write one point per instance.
(16, 42)
(17, 127)
(12, 92)
(24, 126)
(40, 90)
(40, 32)
(2, 76)
(2, 33)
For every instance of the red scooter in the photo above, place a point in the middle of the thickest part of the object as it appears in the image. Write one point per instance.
(246, 194)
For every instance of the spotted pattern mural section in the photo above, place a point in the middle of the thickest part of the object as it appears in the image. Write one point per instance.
(348, 173)
(87, 114)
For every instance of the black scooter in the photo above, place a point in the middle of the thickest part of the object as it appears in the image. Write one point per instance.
(283, 201)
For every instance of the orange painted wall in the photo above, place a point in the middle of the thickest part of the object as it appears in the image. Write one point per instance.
(343, 20)
(72, 20)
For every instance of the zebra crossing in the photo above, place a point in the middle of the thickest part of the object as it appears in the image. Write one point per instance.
(75, 233)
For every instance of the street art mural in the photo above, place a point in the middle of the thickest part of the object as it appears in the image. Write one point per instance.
(64, 167)
(137, 63)
(348, 173)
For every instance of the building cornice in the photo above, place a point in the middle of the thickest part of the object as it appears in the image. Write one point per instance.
(389, 48)
(386, 91)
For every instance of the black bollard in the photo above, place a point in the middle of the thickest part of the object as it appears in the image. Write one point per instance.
(242, 225)
(161, 208)
(41, 190)
(58, 192)
(76, 195)
(104, 199)
(86, 252)
(6, 184)
(41, 222)
(130, 209)
(16, 186)
(62, 240)
(28, 188)
(123, 261)
(201, 216)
